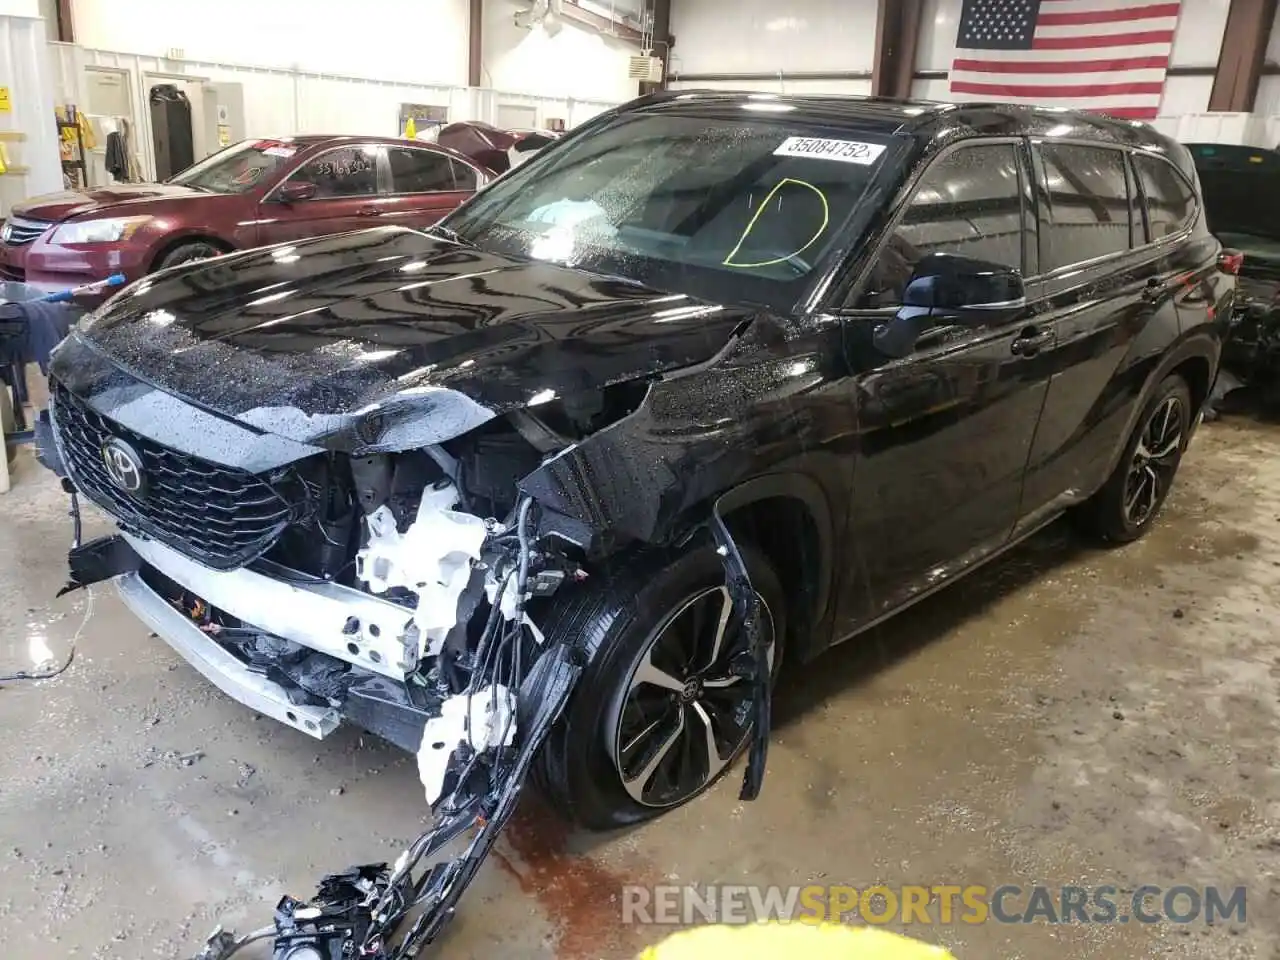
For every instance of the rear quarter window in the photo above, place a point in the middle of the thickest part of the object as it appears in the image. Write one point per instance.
(1168, 198)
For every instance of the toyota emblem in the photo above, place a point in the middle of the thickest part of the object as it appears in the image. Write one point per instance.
(124, 466)
(6, 232)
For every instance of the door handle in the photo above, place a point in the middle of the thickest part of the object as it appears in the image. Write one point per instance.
(1030, 342)
(368, 212)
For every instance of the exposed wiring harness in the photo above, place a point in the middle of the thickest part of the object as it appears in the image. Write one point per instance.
(359, 913)
(58, 669)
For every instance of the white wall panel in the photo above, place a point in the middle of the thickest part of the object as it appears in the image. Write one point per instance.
(936, 43)
(279, 102)
(24, 69)
(1198, 39)
(764, 36)
(423, 41)
(1196, 44)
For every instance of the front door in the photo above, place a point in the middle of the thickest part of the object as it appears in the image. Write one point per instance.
(943, 433)
(425, 184)
(346, 197)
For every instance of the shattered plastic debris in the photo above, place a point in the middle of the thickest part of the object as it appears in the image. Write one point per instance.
(491, 724)
(432, 558)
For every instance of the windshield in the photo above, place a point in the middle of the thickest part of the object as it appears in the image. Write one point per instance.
(740, 209)
(239, 168)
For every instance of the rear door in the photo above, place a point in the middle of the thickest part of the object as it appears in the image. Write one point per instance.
(1169, 202)
(943, 433)
(1102, 286)
(346, 198)
(424, 185)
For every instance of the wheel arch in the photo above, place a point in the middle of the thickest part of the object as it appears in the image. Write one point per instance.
(1195, 359)
(172, 243)
(769, 511)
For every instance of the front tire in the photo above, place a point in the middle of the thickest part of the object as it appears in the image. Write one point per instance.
(1127, 505)
(189, 252)
(657, 717)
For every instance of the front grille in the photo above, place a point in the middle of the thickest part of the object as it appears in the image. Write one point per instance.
(221, 516)
(18, 231)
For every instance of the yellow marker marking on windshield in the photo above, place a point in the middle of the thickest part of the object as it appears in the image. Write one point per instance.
(826, 217)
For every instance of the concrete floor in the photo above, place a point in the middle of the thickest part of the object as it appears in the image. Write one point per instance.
(1068, 715)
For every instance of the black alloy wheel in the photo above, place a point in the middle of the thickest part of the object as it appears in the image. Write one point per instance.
(1155, 460)
(659, 713)
(1128, 503)
(684, 713)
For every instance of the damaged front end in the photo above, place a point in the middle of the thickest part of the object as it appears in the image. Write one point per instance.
(497, 696)
(403, 597)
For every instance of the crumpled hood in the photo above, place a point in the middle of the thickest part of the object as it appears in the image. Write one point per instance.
(389, 338)
(74, 203)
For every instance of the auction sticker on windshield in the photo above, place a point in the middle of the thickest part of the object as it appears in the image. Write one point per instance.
(846, 151)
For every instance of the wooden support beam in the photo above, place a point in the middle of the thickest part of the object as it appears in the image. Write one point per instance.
(475, 44)
(1240, 62)
(897, 27)
(661, 12)
(65, 26)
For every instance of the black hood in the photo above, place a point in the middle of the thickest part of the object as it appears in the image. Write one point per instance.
(387, 338)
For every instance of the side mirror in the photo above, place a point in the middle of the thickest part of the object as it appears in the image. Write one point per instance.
(296, 190)
(949, 290)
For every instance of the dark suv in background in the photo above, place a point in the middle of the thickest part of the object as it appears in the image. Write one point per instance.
(882, 340)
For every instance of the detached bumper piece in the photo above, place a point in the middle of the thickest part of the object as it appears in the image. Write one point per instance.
(218, 666)
(359, 913)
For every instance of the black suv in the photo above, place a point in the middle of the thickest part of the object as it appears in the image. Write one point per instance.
(382, 477)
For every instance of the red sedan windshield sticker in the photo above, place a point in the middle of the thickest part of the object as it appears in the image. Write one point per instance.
(276, 148)
(845, 151)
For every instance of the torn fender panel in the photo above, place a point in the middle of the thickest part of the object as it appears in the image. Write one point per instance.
(767, 406)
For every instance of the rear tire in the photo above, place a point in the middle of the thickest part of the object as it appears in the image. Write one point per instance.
(1128, 503)
(641, 706)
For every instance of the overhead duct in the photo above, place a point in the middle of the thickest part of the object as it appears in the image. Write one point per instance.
(548, 14)
(622, 21)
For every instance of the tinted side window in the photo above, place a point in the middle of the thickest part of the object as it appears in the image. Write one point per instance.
(464, 177)
(345, 172)
(1084, 204)
(1168, 197)
(968, 203)
(419, 171)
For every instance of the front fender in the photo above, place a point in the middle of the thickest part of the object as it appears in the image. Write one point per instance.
(734, 429)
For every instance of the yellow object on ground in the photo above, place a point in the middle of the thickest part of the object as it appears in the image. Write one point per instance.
(780, 941)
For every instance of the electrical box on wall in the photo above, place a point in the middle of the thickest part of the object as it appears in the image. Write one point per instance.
(646, 69)
(223, 115)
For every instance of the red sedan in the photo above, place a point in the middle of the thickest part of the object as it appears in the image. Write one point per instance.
(253, 193)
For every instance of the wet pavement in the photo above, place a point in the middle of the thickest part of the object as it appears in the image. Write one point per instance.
(1067, 716)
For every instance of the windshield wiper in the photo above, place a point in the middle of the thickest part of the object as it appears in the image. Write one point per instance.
(449, 234)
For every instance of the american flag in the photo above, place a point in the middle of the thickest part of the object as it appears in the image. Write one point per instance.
(1104, 55)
